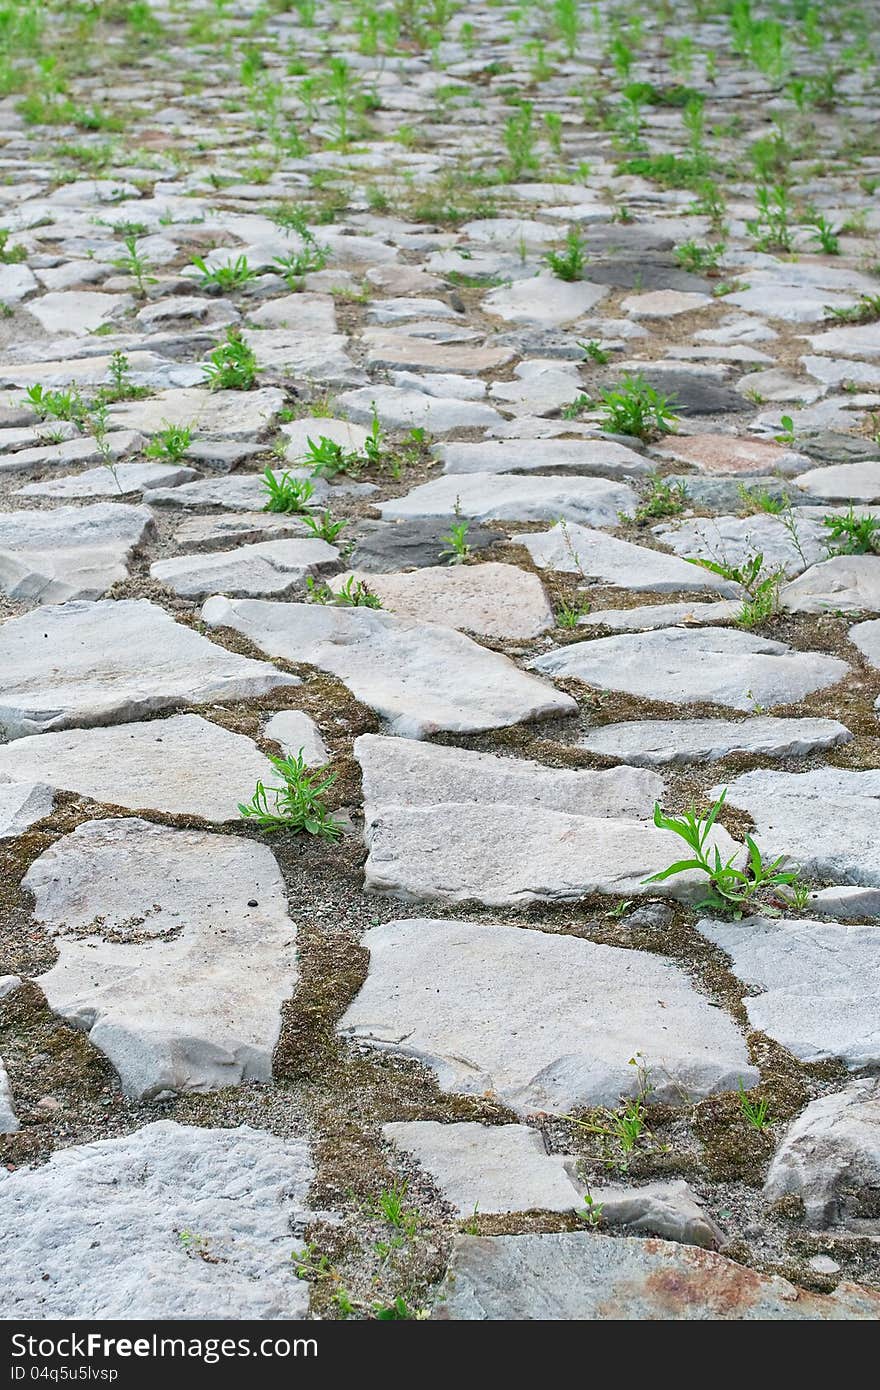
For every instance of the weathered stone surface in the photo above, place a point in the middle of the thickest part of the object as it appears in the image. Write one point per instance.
(820, 983)
(543, 300)
(866, 636)
(538, 387)
(845, 583)
(668, 1209)
(541, 1022)
(725, 453)
(577, 1275)
(235, 1191)
(723, 667)
(418, 676)
(8, 1118)
(387, 348)
(664, 304)
(489, 1169)
(80, 664)
(572, 549)
(218, 530)
(830, 1158)
(447, 824)
(844, 482)
(400, 409)
(732, 540)
(76, 311)
(382, 546)
(644, 617)
(825, 820)
(298, 733)
(508, 497)
(183, 765)
(242, 492)
(315, 427)
(124, 478)
(22, 803)
(161, 960)
(304, 355)
(660, 742)
(695, 393)
(491, 600)
(232, 414)
(600, 457)
(279, 568)
(846, 901)
(69, 552)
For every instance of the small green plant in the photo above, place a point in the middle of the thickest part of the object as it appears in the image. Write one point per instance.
(761, 585)
(568, 615)
(866, 311)
(286, 494)
(756, 1112)
(786, 433)
(324, 527)
(592, 1212)
(662, 499)
(621, 1130)
(297, 805)
(456, 550)
(232, 366)
(296, 264)
(594, 352)
(329, 458)
(771, 230)
(309, 1264)
(637, 409)
(569, 264)
(471, 1227)
(730, 889)
(232, 275)
(391, 1206)
(851, 534)
(133, 263)
(9, 255)
(170, 444)
(701, 260)
(576, 407)
(354, 593)
(55, 405)
(762, 501)
(826, 235)
(519, 139)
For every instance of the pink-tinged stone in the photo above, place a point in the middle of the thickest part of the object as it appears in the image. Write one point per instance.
(726, 453)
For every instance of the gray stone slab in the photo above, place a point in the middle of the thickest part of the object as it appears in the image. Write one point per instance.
(276, 568)
(541, 1022)
(79, 664)
(298, 733)
(830, 1158)
(661, 742)
(845, 583)
(69, 552)
(125, 478)
(492, 600)
(599, 457)
(22, 803)
(507, 497)
(572, 549)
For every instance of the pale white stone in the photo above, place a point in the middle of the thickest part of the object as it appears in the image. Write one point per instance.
(572, 549)
(279, 568)
(596, 456)
(510, 497)
(298, 733)
(22, 802)
(231, 414)
(69, 552)
(658, 742)
(845, 583)
(544, 300)
(8, 1118)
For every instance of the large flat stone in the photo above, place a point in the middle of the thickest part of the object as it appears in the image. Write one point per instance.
(544, 300)
(662, 742)
(383, 546)
(541, 1022)
(69, 552)
(819, 982)
(845, 583)
(161, 960)
(653, 615)
(242, 492)
(579, 1275)
(825, 820)
(491, 600)
(727, 453)
(232, 414)
(600, 457)
(182, 765)
(843, 482)
(830, 1158)
(279, 568)
(490, 1169)
(124, 478)
(402, 409)
(508, 497)
(80, 664)
(98, 1232)
(22, 804)
(445, 824)
(420, 677)
(688, 667)
(732, 540)
(77, 312)
(572, 549)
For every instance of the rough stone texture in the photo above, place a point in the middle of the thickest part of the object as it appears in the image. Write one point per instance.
(577, 1275)
(825, 820)
(846, 902)
(539, 1021)
(866, 636)
(543, 300)
(8, 1118)
(820, 983)
(490, 1169)
(217, 532)
(161, 959)
(230, 414)
(95, 1233)
(420, 677)
(70, 552)
(830, 1158)
(279, 568)
(508, 497)
(572, 549)
(123, 479)
(81, 664)
(401, 409)
(668, 1209)
(491, 600)
(736, 669)
(298, 733)
(644, 617)
(845, 482)
(733, 540)
(383, 546)
(846, 583)
(660, 742)
(242, 492)
(724, 453)
(22, 803)
(182, 765)
(599, 457)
